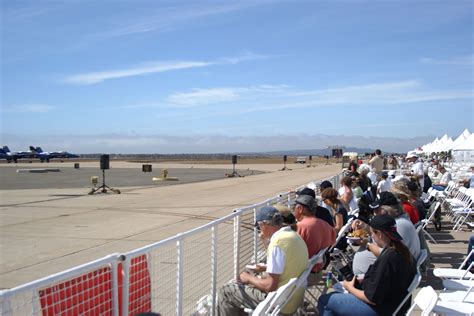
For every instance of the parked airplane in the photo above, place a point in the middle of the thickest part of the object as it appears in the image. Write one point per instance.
(46, 156)
(15, 155)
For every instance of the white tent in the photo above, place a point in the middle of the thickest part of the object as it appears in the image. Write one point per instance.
(444, 143)
(465, 150)
(461, 138)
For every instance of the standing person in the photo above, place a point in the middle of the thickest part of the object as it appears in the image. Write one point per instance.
(393, 162)
(417, 170)
(377, 162)
(287, 257)
(384, 285)
(316, 233)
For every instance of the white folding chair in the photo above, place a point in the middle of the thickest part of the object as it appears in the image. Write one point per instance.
(458, 285)
(319, 257)
(459, 273)
(457, 296)
(425, 222)
(427, 301)
(274, 301)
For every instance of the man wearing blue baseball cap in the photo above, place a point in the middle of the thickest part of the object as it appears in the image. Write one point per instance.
(287, 257)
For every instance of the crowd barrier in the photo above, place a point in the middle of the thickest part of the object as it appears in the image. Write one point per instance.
(168, 277)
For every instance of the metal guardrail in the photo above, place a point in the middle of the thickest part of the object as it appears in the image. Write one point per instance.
(168, 276)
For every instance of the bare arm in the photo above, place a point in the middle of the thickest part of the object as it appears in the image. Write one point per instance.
(373, 248)
(339, 222)
(267, 283)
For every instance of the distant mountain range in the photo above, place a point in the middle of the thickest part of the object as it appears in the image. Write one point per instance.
(291, 153)
(318, 152)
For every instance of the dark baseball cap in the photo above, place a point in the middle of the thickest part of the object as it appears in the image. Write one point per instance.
(306, 191)
(386, 224)
(305, 200)
(386, 198)
(268, 214)
(325, 184)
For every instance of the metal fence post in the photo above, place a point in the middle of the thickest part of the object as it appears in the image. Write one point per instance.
(255, 238)
(214, 269)
(236, 246)
(125, 285)
(179, 288)
(115, 285)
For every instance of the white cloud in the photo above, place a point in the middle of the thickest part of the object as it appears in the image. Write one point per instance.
(154, 67)
(168, 18)
(201, 97)
(274, 97)
(467, 60)
(29, 108)
(97, 77)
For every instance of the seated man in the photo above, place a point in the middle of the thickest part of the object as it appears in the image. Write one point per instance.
(316, 233)
(319, 211)
(443, 182)
(287, 257)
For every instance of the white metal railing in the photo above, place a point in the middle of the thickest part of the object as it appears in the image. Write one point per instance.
(167, 277)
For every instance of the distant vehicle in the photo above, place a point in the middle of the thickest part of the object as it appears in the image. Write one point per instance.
(301, 159)
(47, 156)
(15, 155)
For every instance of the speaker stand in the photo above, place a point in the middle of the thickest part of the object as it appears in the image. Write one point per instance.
(103, 188)
(234, 173)
(284, 167)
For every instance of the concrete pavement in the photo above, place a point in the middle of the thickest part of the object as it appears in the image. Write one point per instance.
(48, 230)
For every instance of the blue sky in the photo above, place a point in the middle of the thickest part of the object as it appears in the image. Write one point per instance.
(220, 76)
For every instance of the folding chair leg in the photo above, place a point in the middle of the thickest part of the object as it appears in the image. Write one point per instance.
(429, 236)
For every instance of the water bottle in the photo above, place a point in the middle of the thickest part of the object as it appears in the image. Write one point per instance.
(329, 279)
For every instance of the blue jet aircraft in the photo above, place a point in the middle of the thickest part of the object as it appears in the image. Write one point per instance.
(46, 156)
(15, 155)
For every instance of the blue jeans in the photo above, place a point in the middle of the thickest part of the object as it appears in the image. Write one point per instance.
(343, 304)
(439, 187)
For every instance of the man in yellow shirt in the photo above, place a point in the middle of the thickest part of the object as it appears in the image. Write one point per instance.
(287, 257)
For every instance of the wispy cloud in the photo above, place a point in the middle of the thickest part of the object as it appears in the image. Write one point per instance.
(153, 67)
(200, 97)
(467, 60)
(170, 17)
(28, 108)
(277, 97)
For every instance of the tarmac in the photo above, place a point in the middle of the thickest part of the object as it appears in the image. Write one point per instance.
(49, 223)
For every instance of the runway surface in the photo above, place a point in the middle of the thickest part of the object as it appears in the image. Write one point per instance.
(65, 176)
(52, 224)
